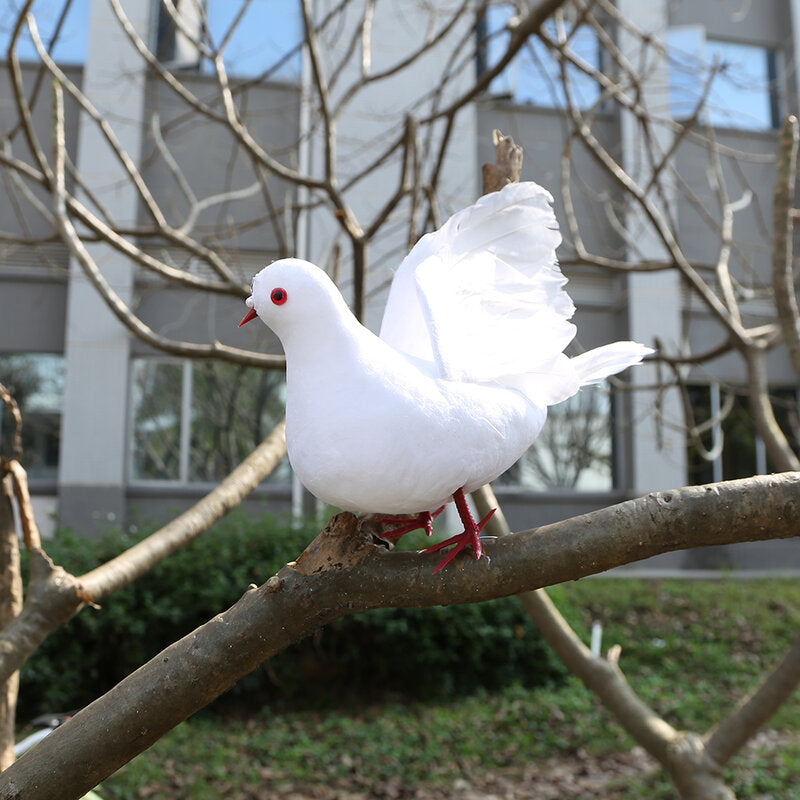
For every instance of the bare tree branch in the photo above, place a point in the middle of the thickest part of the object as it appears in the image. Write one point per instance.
(783, 229)
(54, 595)
(763, 414)
(13, 409)
(524, 28)
(10, 606)
(734, 731)
(126, 568)
(108, 132)
(30, 530)
(344, 571)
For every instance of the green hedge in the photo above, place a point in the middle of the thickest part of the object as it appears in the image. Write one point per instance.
(425, 652)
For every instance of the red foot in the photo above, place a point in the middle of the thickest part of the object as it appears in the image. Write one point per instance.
(422, 520)
(470, 536)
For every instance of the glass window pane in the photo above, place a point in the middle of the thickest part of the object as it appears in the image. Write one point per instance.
(233, 409)
(157, 390)
(700, 470)
(740, 442)
(70, 46)
(741, 95)
(36, 381)
(687, 66)
(784, 404)
(574, 449)
(739, 448)
(743, 91)
(265, 41)
(534, 75)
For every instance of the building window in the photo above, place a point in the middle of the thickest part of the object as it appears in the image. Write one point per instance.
(264, 42)
(534, 75)
(745, 91)
(194, 421)
(36, 381)
(574, 451)
(62, 24)
(730, 447)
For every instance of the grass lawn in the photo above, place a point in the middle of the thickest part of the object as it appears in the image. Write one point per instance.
(690, 648)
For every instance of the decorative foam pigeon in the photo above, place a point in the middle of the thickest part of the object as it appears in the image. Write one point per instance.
(456, 387)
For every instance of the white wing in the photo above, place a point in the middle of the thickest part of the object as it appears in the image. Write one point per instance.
(482, 299)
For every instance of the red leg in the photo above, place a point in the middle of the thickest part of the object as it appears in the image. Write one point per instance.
(422, 520)
(470, 536)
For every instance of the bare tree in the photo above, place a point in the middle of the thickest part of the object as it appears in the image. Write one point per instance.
(726, 284)
(183, 238)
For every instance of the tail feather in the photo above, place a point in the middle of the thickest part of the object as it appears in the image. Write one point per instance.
(595, 365)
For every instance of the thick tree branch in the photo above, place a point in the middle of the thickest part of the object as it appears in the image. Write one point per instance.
(54, 595)
(762, 412)
(733, 732)
(30, 531)
(782, 232)
(10, 606)
(13, 409)
(126, 568)
(345, 571)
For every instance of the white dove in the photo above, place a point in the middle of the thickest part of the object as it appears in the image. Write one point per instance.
(456, 387)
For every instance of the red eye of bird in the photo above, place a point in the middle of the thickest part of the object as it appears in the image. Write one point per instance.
(278, 296)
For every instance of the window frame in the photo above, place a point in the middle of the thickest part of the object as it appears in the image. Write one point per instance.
(186, 417)
(613, 455)
(543, 77)
(679, 61)
(53, 469)
(717, 439)
(182, 56)
(76, 24)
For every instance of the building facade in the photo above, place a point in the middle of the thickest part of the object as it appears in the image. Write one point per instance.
(118, 431)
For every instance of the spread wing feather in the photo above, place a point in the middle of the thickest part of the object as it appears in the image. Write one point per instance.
(483, 300)
(483, 296)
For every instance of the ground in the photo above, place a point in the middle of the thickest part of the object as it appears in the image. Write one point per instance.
(579, 776)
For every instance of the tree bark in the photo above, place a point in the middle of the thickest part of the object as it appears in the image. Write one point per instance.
(346, 570)
(10, 606)
(782, 235)
(763, 414)
(733, 732)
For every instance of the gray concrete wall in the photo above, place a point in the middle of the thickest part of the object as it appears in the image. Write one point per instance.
(32, 282)
(213, 161)
(765, 20)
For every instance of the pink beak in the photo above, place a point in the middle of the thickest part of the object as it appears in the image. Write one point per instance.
(251, 314)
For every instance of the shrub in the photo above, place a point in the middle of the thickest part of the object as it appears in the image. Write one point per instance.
(427, 652)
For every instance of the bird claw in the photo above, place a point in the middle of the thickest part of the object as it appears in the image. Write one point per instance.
(423, 520)
(469, 538)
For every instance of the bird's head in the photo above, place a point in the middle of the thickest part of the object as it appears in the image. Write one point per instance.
(291, 293)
